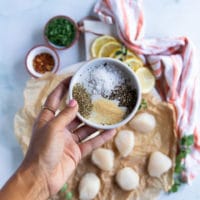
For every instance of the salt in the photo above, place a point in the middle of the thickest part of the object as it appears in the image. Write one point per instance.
(102, 79)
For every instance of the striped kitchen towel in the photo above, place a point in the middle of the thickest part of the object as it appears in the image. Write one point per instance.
(175, 66)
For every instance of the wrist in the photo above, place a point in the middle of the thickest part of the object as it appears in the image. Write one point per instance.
(27, 183)
(33, 180)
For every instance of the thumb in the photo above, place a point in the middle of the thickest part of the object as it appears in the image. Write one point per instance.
(67, 115)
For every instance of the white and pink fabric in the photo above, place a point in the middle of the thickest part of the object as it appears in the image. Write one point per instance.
(174, 63)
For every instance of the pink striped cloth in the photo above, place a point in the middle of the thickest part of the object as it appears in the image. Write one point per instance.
(175, 66)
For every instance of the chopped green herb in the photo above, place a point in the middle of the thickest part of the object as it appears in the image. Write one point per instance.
(60, 31)
(185, 148)
(64, 188)
(124, 50)
(68, 196)
(118, 52)
(143, 105)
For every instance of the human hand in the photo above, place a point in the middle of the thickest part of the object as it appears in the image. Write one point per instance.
(56, 148)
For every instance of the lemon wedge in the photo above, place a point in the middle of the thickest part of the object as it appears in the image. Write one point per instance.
(108, 48)
(98, 43)
(146, 79)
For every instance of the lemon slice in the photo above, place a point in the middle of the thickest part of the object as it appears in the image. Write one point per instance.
(132, 55)
(127, 57)
(146, 79)
(98, 43)
(114, 55)
(134, 64)
(108, 48)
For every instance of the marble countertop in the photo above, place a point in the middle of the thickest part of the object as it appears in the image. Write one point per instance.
(22, 23)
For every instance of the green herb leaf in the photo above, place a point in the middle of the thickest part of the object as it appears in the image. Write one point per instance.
(143, 105)
(64, 188)
(175, 186)
(190, 140)
(124, 50)
(68, 196)
(118, 52)
(187, 140)
(179, 168)
(185, 148)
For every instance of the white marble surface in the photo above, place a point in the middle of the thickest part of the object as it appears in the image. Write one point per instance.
(22, 23)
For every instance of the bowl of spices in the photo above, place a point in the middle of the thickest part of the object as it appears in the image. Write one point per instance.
(61, 32)
(41, 59)
(107, 91)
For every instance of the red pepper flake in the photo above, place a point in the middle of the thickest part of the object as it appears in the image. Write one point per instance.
(43, 62)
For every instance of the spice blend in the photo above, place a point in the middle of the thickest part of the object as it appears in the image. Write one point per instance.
(126, 96)
(105, 95)
(107, 112)
(84, 100)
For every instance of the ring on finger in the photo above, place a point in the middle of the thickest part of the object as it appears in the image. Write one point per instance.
(48, 108)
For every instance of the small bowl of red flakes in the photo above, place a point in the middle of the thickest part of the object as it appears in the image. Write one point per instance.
(41, 59)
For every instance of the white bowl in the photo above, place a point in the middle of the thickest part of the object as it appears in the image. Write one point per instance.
(79, 77)
(38, 50)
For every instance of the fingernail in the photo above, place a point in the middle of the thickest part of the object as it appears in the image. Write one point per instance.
(72, 103)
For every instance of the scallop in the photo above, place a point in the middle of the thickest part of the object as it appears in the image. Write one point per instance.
(103, 158)
(143, 122)
(158, 164)
(89, 186)
(127, 179)
(124, 142)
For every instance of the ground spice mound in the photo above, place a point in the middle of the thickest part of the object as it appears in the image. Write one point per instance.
(84, 100)
(126, 96)
(107, 112)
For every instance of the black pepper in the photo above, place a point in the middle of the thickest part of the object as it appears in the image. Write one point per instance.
(126, 95)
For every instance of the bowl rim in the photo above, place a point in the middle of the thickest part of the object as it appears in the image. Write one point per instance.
(37, 47)
(56, 46)
(129, 116)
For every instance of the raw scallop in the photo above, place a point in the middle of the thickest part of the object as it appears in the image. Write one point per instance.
(103, 158)
(127, 179)
(89, 186)
(143, 122)
(124, 141)
(159, 163)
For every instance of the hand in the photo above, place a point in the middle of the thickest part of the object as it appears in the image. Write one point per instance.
(56, 148)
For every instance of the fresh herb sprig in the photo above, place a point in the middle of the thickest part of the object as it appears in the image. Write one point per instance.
(122, 52)
(143, 105)
(185, 148)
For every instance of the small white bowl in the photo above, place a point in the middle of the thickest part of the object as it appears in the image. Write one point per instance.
(80, 74)
(38, 50)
